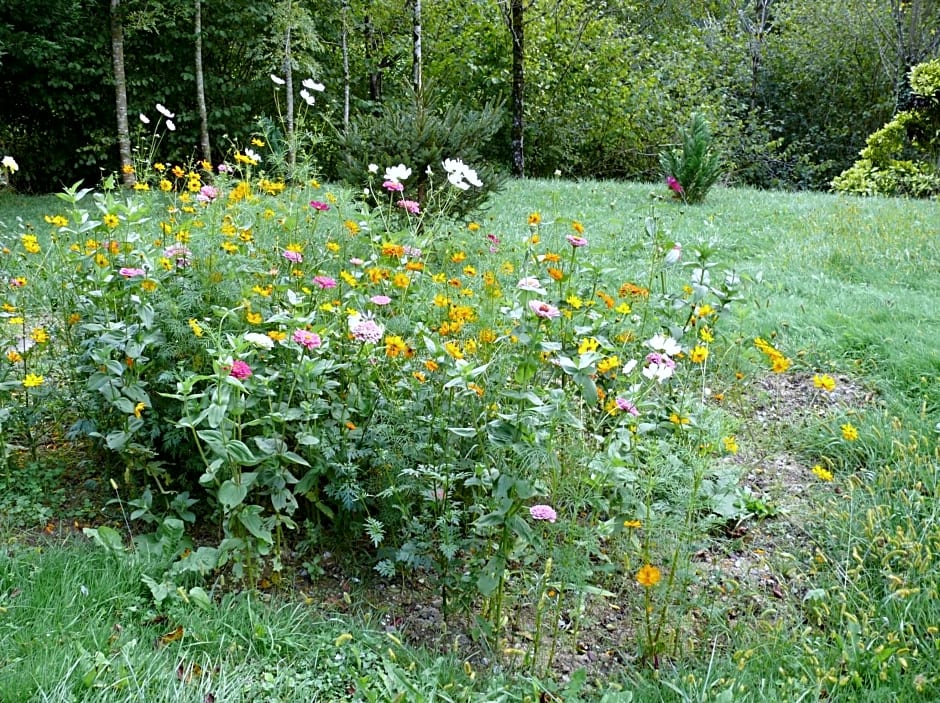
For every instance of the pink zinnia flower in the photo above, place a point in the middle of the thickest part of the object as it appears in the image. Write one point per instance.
(674, 185)
(411, 206)
(380, 299)
(180, 253)
(318, 206)
(543, 309)
(366, 330)
(207, 194)
(131, 272)
(293, 256)
(393, 186)
(240, 370)
(576, 241)
(543, 512)
(324, 281)
(305, 338)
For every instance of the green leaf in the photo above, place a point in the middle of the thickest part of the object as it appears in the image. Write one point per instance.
(106, 537)
(239, 452)
(231, 494)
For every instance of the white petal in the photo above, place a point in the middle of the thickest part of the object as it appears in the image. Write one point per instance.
(277, 80)
(163, 111)
(144, 118)
(170, 126)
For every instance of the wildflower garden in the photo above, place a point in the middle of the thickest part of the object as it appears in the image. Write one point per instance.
(615, 444)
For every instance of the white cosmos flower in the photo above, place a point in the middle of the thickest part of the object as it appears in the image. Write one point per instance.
(531, 284)
(253, 155)
(373, 168)
(144, 118)
(310, 84)
(277, 80)
(397, 173)
(170, 126)
(259, 340)
(10, 164)
(460, 175)
(166, 113)
(667, 345)
(308, 98)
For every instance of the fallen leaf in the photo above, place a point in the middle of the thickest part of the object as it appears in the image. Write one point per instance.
(169, 637)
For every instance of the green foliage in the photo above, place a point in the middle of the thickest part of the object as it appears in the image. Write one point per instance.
(422, 134)
(901, 157)
(696, 166)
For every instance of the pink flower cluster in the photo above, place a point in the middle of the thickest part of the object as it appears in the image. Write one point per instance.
(294, 257)
(240, 370)
(325, 281)
(543, 512)
(306, 338)
(411, 206)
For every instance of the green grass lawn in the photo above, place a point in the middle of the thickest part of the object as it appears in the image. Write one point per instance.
(781, 582)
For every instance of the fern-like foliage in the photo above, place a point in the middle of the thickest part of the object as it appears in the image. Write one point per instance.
(694, 168)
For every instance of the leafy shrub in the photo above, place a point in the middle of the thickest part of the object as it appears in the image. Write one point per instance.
(900, 158)
(420, 133)
(692, 170)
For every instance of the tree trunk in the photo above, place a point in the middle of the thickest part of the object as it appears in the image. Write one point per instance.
(416, 46)
(201, 90)
(289, 102)
(120, 94)
(346, 76)
(517, 32)
(375, 66)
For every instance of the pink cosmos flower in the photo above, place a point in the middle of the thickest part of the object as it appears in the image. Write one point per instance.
(674, 185)
(543, 512)
(356, 261)
(380, 299)
(318, 206)
(393, 186)
(305, 338)
(179, 253)
(325, 281)
(131, 272)
(543, 309)
(240, 370)
(627, 407)
(225, 168)
(293, 256)
(576, 241)
(411, 206)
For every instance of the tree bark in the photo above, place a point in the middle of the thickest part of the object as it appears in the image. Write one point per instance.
(346, 77)
(289, 101)
(416, 46)
(120, 94)
(201, 90)
(517, 32)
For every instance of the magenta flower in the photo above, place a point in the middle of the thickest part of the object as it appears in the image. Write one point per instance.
(411, 206)
(627, 407)
(294, 257)
(674, 185)
(543, 309)
(305, 338)
(543, 512)
(240, 370)
(318, 206)
(393, 186)
(131, 272)
(325, 281)
(576, 241)
(225, 168)
(380, 299)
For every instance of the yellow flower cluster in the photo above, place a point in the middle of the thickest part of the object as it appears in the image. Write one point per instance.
(778, 362)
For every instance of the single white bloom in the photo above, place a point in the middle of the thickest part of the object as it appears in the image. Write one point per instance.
(457, 180)
(629, 366)
(373, 168)
(429, 171)
(10, 164)
(667, 345)
(170, 126)
(531, 284)
(253, 155)
(310, 84)
(397, 173)
(460, 175)
(557, 173)
(259, 340)
(144, 118)
(453, 165)
(163, 111)
(277, 80)
(308, 98)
